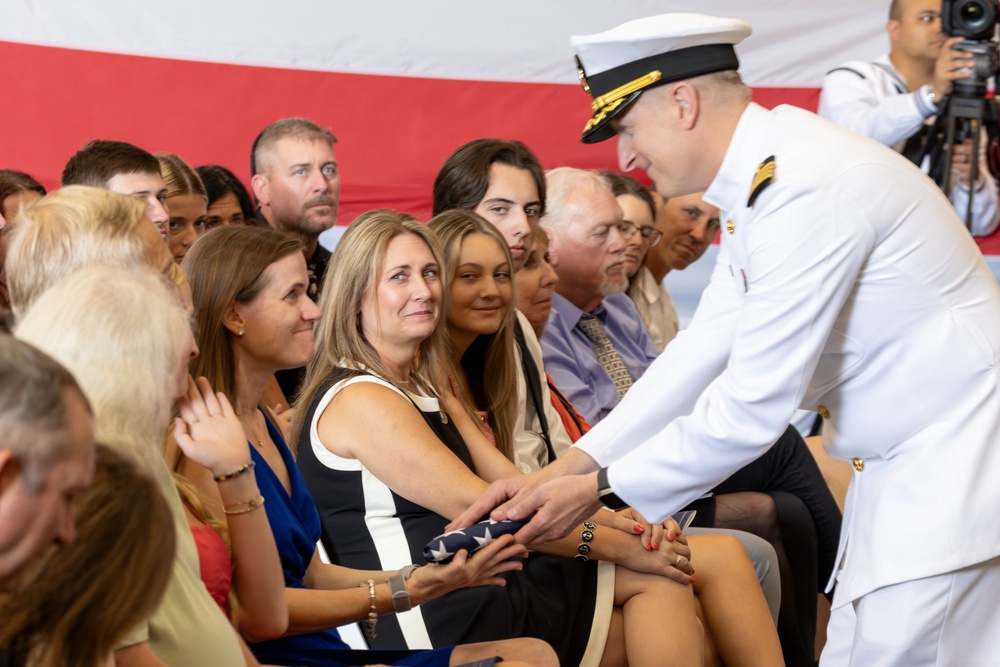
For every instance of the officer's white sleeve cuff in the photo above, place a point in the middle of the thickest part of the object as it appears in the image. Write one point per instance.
(925, 101)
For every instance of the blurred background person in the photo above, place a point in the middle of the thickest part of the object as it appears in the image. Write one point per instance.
(16, 190)
(86, 596)
(125, 337)
(46, 457)
(229, 202)
(187, 203)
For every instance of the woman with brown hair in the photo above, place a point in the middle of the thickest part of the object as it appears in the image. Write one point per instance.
(480, 322)
(87, 595)
(255, 317)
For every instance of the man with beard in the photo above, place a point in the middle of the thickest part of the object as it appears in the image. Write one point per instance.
(589, 238)
(296, 183)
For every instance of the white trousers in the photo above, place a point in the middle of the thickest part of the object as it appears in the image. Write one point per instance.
(949, 620)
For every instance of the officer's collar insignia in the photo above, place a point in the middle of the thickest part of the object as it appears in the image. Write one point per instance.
(730, 227)
(762, 178)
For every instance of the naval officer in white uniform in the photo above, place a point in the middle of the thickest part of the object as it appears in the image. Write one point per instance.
(846, 284)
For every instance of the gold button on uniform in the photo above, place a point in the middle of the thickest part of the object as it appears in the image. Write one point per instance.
(823, 412)
(859, 464)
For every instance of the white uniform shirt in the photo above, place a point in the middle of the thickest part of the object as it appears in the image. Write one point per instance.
(871, 98)
(849, 287)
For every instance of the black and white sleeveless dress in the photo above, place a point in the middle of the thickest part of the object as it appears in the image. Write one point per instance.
(366, 525)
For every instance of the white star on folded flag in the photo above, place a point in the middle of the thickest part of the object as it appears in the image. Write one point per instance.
(484, 540)
(473, 538)
(441, 554)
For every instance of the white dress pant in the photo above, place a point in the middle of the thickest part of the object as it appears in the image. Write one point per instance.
(949, 620)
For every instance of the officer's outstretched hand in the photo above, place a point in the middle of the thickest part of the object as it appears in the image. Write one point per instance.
(562, 499)
(950, 65)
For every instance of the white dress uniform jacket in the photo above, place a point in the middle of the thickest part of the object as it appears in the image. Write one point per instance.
(871, 98)
(848, 287)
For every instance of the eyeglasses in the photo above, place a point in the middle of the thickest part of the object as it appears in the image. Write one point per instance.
(628, 230)
(651, 234)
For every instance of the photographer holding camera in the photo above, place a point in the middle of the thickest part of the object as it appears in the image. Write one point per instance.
(895, 98)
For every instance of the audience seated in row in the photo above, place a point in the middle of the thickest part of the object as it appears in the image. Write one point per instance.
(254, 317)
(387, 341)
(421, 468)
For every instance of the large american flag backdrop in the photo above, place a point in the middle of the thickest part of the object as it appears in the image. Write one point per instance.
(402, 84)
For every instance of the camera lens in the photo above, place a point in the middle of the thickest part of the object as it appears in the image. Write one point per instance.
(971, 12)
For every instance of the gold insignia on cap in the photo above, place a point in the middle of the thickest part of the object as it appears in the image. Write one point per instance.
(624, 91)
(596, 120)
(762, 178)
(730, 227)
(583, 75)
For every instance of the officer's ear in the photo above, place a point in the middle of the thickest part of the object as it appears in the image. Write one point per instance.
(686, 100)
(893, 28)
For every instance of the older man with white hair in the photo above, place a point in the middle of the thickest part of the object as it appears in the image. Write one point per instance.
(596, 344)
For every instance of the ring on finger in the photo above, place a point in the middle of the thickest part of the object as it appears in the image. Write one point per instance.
(677, 560)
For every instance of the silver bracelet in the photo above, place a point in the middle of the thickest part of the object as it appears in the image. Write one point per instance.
(397, 587)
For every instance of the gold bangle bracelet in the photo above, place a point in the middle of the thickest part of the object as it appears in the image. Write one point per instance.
(244, 508)
(372, 611)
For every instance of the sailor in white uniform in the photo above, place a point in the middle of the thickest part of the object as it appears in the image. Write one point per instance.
(895, 97)
(846, 284)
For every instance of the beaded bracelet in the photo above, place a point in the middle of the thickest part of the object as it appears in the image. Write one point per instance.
(244, 508)
(586, 537)
(250, 465)
(372, 611)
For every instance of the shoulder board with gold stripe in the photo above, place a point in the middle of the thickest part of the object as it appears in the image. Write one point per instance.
(762, 178)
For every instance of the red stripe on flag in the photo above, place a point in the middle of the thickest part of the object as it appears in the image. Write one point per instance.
(394, 132)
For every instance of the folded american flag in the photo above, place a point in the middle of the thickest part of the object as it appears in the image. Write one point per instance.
(443, 547)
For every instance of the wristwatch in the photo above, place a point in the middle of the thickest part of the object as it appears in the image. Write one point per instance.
(605, 494)
(397, 587)
(932, 97)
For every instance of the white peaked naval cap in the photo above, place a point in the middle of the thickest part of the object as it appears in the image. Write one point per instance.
(615, 66)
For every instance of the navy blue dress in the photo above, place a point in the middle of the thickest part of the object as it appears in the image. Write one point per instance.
(296, 527)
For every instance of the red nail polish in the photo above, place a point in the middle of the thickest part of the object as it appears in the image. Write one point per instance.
(648, 547)
(638, 528)
(670, 537)
(692, 570)
(656, 546)
(692, 580)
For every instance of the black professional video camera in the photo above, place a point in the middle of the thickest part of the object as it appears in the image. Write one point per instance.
(971, 19)
(975, 21)
(967, 112)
